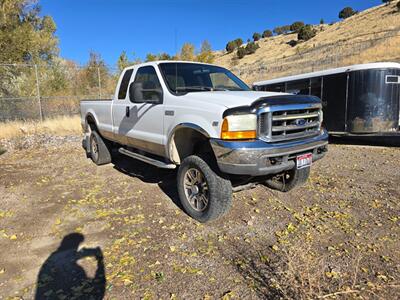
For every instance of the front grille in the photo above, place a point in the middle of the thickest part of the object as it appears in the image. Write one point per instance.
(282, 125)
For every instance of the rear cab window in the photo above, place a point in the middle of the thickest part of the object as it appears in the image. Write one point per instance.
(123, 89)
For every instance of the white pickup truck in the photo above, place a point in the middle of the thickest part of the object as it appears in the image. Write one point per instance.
(206, 121)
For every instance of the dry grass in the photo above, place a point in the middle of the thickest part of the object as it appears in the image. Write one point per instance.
(65, 125)
(370, 36)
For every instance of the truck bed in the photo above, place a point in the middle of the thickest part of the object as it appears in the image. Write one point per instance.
(101, 108)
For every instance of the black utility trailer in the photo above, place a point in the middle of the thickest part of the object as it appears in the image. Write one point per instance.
(360, 101)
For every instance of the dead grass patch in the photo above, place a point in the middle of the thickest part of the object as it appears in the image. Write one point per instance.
(65, 125)
(299, 270)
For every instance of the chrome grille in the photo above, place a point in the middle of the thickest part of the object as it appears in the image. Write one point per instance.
(282, 125)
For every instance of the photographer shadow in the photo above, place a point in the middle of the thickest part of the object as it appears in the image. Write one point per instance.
(61, 277)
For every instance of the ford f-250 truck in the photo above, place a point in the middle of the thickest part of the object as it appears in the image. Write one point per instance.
(206, 121)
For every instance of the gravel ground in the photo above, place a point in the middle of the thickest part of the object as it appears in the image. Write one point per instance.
(70, 227)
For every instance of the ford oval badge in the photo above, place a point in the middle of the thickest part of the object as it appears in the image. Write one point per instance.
(300, 122)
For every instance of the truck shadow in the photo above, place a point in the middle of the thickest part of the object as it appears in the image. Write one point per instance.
(166, 179)
(383, 141)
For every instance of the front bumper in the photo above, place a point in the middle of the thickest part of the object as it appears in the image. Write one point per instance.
(258, 158)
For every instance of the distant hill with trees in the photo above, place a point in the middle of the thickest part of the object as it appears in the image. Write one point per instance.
(360, 37)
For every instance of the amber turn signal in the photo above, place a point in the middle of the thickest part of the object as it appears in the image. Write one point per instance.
(236, 135)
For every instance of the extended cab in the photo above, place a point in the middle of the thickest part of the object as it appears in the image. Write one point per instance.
(206, 121)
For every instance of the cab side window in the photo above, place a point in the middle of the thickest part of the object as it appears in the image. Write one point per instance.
(123, 89)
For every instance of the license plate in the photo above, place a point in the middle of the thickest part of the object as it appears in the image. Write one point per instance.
(303, 161)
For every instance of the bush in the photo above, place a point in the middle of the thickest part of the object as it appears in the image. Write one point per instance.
(398, 6)
(322, 21)
(241, 52)
(256, 36)
(292, 43)
(267, 33)
(296, 26)
(282, 29)
(346, 12)
(387, 1)
(232, 45)
(238, 42)
(251, 48)
(306, 33)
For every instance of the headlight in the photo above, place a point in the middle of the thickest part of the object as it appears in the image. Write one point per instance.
(239, 127)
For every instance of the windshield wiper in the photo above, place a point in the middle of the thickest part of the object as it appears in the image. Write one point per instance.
(194, 88)
(200, 88)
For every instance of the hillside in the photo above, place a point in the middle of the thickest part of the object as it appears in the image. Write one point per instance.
(369, 36)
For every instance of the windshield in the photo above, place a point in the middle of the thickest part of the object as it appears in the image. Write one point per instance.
(183, 78)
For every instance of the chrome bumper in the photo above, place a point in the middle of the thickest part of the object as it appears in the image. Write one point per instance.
(257, 158)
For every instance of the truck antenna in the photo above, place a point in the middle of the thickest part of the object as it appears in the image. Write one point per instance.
(176, 64)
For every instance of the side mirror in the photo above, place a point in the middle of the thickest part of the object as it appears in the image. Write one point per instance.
(145, 92)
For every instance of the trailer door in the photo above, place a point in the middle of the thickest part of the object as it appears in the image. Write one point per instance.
(334, 102)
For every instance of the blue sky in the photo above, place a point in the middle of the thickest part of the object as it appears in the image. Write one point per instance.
(142, 26)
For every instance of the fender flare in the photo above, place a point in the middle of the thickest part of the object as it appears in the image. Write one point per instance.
(89, 115)
(185, 125)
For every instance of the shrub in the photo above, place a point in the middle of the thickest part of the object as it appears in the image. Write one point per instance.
(256, 36)
(238, 42)
(232, 45)
(398, 6)
(296, 26)
(387, 1)
(346, 12)
(306, 33)
(282, 29)
(251, 48)
(267, 33)
(241, 52)
(292, 43)
(322, 21)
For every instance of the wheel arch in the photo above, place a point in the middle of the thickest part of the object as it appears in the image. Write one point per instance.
(187, 139)
(90, 122)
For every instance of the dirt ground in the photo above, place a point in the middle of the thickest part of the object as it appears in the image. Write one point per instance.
(336, 237)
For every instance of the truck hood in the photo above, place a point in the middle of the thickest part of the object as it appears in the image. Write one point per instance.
(229, 99)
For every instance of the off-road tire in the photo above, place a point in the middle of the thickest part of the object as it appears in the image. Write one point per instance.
(103, 155)
(219, 189)
(288, 180)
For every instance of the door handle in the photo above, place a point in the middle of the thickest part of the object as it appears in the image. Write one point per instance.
(127, 112)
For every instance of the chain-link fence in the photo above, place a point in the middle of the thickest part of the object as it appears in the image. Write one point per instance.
(37, 92)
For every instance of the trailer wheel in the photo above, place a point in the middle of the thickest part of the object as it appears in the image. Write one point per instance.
(203, 193)
(288, 180)
(99, 149)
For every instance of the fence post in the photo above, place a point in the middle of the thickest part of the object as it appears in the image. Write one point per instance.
(98, 75)
(38, 93)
